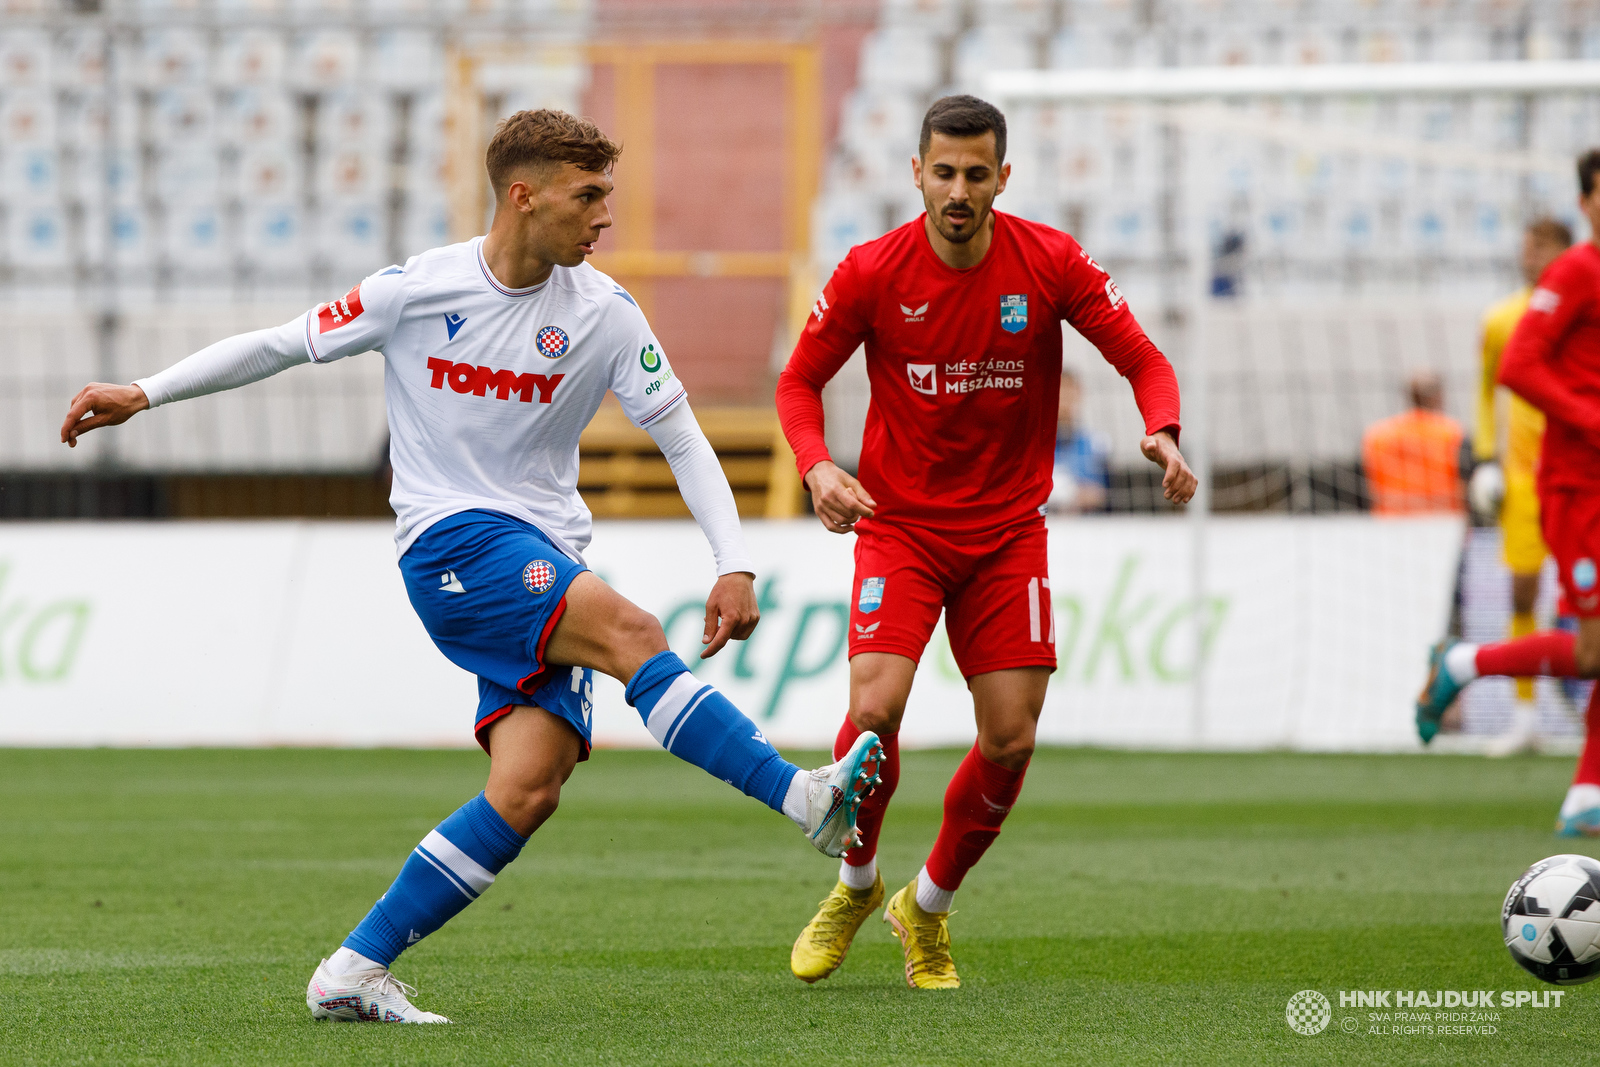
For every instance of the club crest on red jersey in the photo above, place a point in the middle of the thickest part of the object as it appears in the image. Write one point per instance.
(1014, 312)
(336, 313)
(871, 598)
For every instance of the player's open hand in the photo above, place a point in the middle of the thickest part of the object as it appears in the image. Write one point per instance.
(99, 404)
(838, 498)
(1180, 483)
(731, 611)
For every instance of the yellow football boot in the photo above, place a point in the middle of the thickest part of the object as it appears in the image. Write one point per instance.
(821, 946)
(925, 939)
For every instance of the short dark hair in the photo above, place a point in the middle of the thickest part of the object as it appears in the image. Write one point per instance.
(1588, 167)
(538, 138)
(1551, 231)
(963, 116)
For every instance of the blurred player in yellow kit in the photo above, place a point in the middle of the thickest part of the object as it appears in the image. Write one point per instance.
(1507, 453)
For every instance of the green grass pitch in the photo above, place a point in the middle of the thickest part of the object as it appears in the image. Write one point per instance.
(168, 906)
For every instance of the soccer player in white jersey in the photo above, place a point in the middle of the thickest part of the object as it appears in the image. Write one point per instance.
(496, 354)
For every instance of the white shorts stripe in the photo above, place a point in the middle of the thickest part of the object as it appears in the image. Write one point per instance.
(1033, 609)
(671, 705)
(463, 866)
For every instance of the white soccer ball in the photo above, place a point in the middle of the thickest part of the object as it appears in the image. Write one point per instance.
(1551, 920)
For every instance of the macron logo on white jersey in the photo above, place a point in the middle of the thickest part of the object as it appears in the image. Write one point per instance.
(453, 324)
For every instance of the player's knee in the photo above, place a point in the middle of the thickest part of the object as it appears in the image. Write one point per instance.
(634, 635)
(1011, 751)
(639, 627)
(882, 718)
(532, 805)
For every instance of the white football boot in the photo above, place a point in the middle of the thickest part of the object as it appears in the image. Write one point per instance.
(369, 996)
(834, 794)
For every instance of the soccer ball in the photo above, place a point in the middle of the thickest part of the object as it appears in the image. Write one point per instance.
(1551, 920)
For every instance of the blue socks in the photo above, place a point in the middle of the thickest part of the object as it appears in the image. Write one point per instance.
(696, 723)
(458, 860)
(452, 867)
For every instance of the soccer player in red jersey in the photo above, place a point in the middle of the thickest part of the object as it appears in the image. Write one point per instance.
(1553, 362)
(960, 312)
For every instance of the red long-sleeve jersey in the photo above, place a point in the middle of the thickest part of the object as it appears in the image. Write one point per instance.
(965, 368)
(1553, 362)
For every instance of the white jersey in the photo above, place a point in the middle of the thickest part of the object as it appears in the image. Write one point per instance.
(488, 388)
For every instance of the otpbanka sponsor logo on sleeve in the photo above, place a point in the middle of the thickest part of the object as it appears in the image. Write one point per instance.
(1436, 1013)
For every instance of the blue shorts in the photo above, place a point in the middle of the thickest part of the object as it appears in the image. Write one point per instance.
(489, 590)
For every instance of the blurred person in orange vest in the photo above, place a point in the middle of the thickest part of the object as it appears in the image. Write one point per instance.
(1412, 461)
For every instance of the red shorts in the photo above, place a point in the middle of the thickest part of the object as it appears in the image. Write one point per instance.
(1571, 521)
(994, 588)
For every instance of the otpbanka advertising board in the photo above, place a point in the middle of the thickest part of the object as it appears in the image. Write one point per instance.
(1306, 633)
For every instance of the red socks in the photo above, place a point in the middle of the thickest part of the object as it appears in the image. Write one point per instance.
(975, 804)
(1589, 759)
(869, 819)
(1547, 653)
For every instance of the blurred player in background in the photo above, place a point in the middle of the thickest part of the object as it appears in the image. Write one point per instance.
(960, 311)
(1507, 454)
(497, 352)
(1412, 461)
(1082, 476)
(1553, 362)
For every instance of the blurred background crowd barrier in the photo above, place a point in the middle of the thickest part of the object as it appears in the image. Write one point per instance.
(172, 171)
(314, 617)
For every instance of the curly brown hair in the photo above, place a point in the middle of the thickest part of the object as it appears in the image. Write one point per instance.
(544, 137)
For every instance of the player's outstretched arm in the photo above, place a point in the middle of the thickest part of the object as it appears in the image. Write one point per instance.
(228, 364)
(1179, 483)
(731, 611)
(838, 498)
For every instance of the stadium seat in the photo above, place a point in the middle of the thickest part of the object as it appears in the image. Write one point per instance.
(622, 474)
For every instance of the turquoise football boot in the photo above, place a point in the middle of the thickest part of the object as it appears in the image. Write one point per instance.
(1438, 693)
(1583, 824)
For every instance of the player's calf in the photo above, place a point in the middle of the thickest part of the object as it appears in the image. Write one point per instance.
(451, 867)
